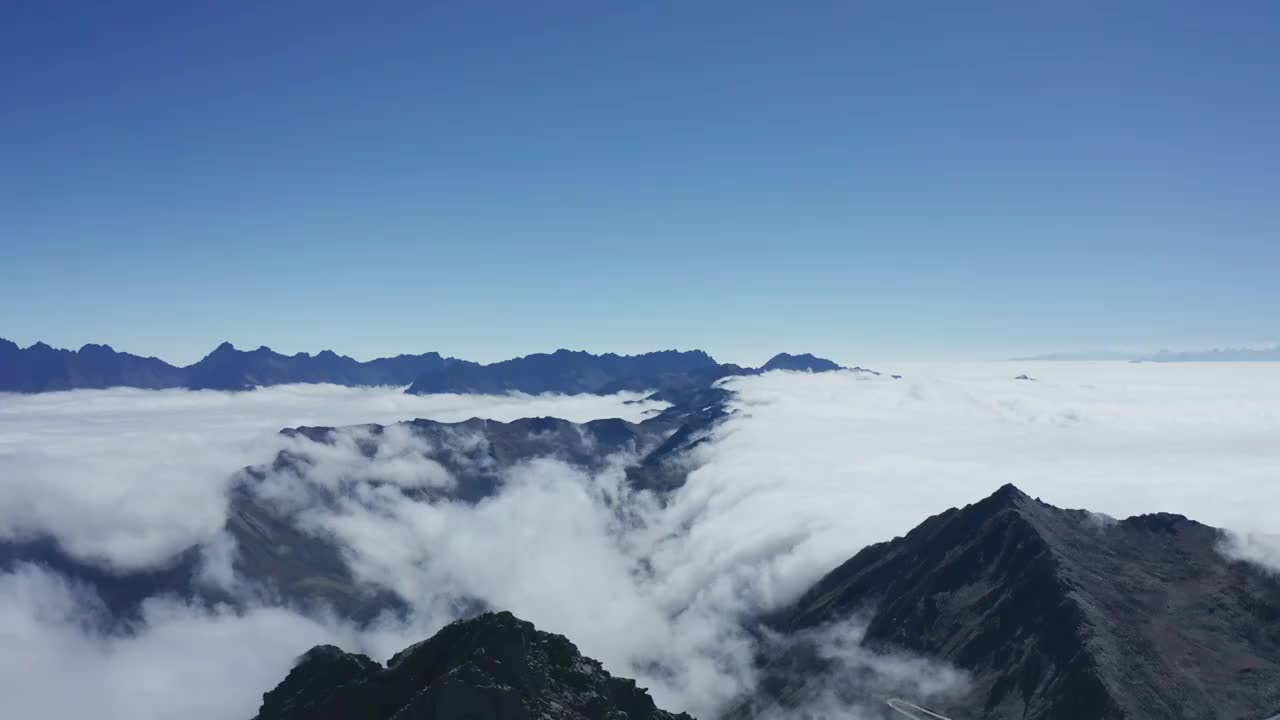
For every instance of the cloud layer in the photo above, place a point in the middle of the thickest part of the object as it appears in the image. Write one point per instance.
(809, 470)
(128, 477)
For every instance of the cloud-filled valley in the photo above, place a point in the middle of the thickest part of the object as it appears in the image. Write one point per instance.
(808, 469)
(129, 477)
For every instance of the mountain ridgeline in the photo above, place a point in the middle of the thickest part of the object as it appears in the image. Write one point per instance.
(41, 368)
(1055, 614)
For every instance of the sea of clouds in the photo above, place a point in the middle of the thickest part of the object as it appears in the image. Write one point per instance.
(810, 469)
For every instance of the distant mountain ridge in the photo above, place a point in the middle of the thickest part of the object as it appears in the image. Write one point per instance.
(567, 371)
(1262, 354)
(41, 368)
(227, 368)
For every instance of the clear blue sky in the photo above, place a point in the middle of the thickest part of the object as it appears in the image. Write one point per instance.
(858, 179)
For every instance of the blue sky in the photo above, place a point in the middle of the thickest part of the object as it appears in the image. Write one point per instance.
(861, 180)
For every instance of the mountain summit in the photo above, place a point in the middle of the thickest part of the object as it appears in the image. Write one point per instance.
(1065, 613)
(491, 667)
(805, 361)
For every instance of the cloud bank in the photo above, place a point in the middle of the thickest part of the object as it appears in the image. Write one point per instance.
(127, 477)
(809, 470)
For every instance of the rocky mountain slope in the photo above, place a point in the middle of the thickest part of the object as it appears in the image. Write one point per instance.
(305, 569)
(491, 667)
(1059, 614)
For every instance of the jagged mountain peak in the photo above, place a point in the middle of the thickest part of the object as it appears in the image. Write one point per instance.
(1067, 614)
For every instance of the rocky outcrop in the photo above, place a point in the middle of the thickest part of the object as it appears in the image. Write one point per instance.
(491, 667)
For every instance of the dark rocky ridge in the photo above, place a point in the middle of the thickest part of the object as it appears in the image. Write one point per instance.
(491, 667)
(1060, 614)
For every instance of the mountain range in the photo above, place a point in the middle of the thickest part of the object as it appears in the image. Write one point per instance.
(41, 368)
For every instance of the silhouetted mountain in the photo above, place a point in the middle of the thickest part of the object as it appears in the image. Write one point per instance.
(783, 361)
(569, 372)
(491, 667)
(674, 375)
(1060, 614)
(41, 368)
(227, 368)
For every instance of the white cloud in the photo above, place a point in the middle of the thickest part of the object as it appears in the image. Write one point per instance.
(186, 663)
(1262, 549)
(128, 477)
(811, 469)
(848, 460)
(854, 681)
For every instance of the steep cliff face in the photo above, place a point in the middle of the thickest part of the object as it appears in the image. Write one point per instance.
(491, 667)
